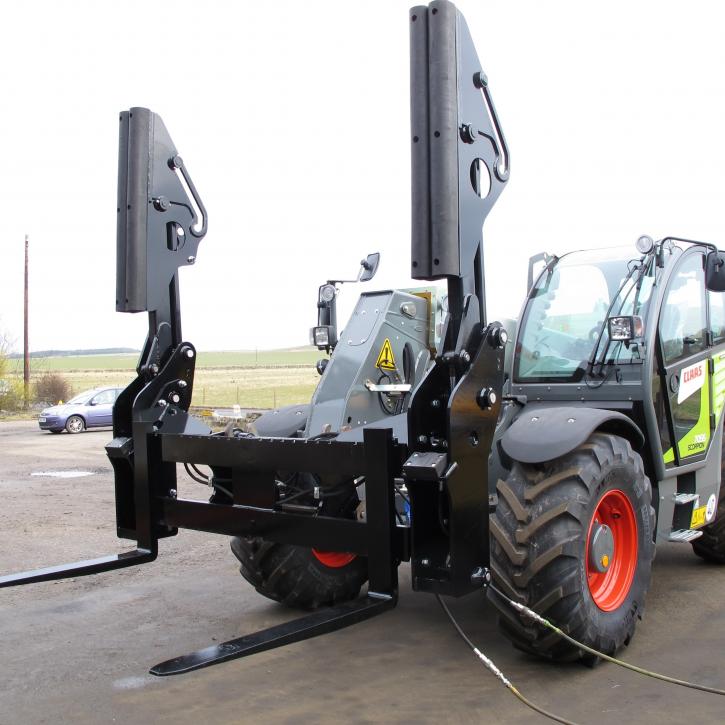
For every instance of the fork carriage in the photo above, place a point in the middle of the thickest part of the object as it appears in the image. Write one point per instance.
(435, 441)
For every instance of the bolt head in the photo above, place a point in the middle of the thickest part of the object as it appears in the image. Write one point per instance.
(486, 398)
(161, 203)
(468, 133)
(191, 259)
(189, 353)
(162, 403)
(182, 384)
(480, 80)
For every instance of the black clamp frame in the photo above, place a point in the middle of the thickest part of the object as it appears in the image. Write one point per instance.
(452, 415)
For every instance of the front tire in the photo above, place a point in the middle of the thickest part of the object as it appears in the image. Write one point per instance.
(573, 539)
(75, 424)
(298, 576)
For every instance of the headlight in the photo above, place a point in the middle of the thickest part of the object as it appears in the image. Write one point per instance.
(327, 293)
(320, 336)
(624, 329)
(644, 244)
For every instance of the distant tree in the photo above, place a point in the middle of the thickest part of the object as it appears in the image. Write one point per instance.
(11, 394)
(52, 388)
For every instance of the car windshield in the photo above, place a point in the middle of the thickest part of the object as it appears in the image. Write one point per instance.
(82, 398)
(567, 310)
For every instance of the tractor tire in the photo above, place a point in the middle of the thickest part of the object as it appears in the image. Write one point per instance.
(573, 539)
(298, 576)
(711, 545)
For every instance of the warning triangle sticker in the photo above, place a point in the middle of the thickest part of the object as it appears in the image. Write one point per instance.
(386, 361)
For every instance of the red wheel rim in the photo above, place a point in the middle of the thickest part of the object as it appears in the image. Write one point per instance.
(610, 588)
(333, 559)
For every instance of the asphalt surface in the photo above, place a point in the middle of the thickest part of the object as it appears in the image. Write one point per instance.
(79, 650)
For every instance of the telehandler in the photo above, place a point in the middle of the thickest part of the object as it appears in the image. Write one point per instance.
(551, 475)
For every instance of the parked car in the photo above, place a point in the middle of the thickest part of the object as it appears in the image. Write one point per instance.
(91, 409)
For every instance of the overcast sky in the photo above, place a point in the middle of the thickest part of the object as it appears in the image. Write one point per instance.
(293, 120)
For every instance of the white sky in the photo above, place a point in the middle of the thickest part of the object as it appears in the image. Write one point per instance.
(292, 118)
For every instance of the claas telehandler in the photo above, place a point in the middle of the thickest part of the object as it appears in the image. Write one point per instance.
(546, 463)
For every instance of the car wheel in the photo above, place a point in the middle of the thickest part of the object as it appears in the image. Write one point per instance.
(75, 424)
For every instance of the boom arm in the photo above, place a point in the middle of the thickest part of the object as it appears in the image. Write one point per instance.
(161, 221)
(460, 161)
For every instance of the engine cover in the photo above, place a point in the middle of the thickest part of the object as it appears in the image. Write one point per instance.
(371, 349)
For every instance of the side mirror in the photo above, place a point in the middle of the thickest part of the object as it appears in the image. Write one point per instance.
(715, 272)
(92, 402)
(368, 267)
(625, 329)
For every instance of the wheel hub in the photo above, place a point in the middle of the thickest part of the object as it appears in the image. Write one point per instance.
(601, 547)
(611, 550)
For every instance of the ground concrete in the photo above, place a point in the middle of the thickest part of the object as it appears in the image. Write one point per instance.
(79, 650)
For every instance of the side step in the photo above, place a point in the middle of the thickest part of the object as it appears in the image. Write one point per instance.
(320, 622)
(682, 498)
(684, 535)
(78, 568)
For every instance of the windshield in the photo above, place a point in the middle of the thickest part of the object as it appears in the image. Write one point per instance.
(567, 311)
(82, 398)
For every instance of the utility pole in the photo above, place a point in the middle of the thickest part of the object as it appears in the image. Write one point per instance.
(26, 354)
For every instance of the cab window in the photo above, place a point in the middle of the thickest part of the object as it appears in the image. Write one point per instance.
(717, 316)
(683, 320)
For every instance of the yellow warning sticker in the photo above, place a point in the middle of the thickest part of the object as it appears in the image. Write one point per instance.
(699, 516)
(386, 361)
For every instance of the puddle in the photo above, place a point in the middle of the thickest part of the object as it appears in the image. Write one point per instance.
(62, 474)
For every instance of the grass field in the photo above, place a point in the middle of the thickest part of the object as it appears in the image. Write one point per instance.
(221, 359)
(252, 379)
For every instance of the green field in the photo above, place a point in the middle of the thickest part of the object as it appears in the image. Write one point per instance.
(252, 379)
(220, 359)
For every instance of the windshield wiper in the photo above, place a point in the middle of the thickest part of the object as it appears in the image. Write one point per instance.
(640, 267)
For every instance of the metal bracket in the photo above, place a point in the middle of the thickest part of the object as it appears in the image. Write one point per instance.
(389, 388)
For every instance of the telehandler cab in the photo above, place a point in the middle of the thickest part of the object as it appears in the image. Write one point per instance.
(552, 475)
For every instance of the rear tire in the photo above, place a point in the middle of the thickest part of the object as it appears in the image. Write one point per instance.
(295, 576)
(711, 545)
(543, 544)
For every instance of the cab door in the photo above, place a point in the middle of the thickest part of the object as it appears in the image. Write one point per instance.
(685, 370)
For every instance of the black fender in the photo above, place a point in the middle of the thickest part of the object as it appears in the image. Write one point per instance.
(543, 434)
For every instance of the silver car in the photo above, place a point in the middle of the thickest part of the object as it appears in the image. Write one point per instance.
(92, 409)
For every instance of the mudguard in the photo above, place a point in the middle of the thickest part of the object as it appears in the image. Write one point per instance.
(543, 434)
(283, 422)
